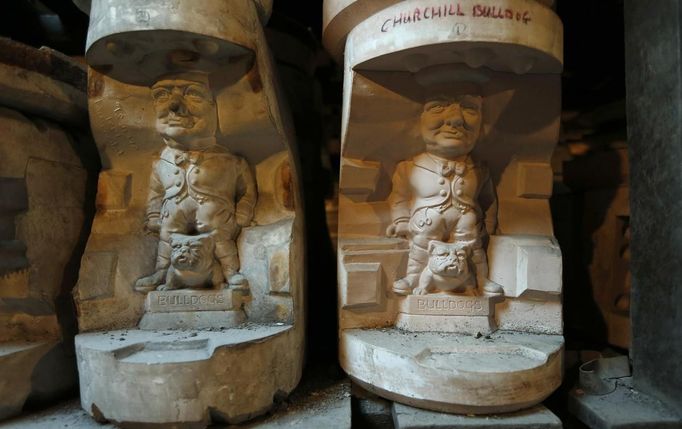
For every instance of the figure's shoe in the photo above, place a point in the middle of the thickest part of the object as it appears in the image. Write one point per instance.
(237, 281)
(403, 286)
(149, 283)
(492, 289)
(420, 291)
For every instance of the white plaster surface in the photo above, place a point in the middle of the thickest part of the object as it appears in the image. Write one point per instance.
(525, 264)
(192, 300)
(501, 372)
(470, 325)
(458, 35)
(385, 258)
(339, 17)
(536, 316)
(382, 110)
(192, 320)
(188, 377)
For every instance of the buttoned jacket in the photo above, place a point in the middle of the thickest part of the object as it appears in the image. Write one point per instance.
(215, 175)
(429, 181)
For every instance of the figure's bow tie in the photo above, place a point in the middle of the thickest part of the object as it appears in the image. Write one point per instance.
(192, 157)
(456, 167)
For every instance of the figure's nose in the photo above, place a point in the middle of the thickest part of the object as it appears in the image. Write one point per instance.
(176, 103)
(454, 116)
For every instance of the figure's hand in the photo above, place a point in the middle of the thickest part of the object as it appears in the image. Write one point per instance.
(153, 224)
(243, 216)
(233, 229)
(243, 222)
(400, 229)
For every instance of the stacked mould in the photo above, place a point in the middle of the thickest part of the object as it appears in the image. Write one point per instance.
(190, 295)
(449, 272)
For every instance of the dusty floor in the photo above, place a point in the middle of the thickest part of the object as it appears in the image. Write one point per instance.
(318, 402)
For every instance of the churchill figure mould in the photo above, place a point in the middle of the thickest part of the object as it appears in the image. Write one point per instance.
(197, 188)
(442, 194)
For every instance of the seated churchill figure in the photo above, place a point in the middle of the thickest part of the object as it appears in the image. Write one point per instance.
(197, 188)
(438, 195)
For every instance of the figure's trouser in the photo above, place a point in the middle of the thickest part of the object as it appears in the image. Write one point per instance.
(228, 256)
(480, 261)
(190, 217)
(163, 254)
(416, 262)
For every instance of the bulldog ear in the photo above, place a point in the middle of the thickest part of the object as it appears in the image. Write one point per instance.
(432, 245)
(465, 248)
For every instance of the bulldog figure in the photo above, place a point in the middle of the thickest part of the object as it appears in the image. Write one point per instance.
(447, 269)
(192, 264)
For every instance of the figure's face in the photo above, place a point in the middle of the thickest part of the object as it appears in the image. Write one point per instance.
(450, 126)
(185, 110)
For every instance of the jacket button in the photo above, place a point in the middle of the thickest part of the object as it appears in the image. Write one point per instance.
(421, 223)
(429, 221)
(441, 181)
(178, 183)
(458, 192)
(443, 192)
(176, 172)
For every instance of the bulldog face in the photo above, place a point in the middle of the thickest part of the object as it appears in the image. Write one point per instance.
(191, 252)
(448, 259)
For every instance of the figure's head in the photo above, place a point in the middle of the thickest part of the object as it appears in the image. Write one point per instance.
(185, 109)
(451, 125)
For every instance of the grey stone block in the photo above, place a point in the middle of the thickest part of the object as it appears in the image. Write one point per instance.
(538, 417)
(370, 411)
(624, 408)
(653, 71)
